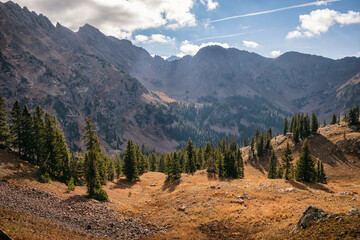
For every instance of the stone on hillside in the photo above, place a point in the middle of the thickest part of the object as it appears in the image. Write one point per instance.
(310, 215)
(182, 208)
(247, 196)
(354, 211)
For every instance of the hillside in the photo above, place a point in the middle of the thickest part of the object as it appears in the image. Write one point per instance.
(200, 205)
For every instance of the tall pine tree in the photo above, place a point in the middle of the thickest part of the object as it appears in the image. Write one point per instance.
(285, 130)
(287, 159)
(314, 123)
(130, 169)
(190, 160)
(272, 174)
(4, 131)
(305, 166)
(15, 126)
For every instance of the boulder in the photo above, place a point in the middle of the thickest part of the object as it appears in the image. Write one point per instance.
(310, 215)
(354, 211)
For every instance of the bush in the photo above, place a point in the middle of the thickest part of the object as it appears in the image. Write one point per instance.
(101, 195)
(70, 185)
(44, 178)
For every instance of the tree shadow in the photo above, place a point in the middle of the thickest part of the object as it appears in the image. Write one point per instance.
(170, 185)
(308, 186)
(124, 184)
(326, 151)
(211, 176)
(76, 199)
(261, 163)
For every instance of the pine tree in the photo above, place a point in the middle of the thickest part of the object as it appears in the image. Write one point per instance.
(220, 163)
(173, 167)
(260, 145)
(15, 126)
(162, 164)
(233, 145)
(190, 160)
(38, 135)
(153, 162)
(307, 129)
(305, 167)
(130, 169)
(272, 174)
(91, 172)
(118, 165)
(285, 126)
(333, 119)
(314, 123)
(322, 173)
(90, 138)
(200, 159)
(252, 148)
(324, 123)
(230, 165)
(292, 124)
(267, 141)
(26, 140)
(287, 159)
(110, 170)
(296, 135)
(141, 161)
(4, 131)
(338, 120)
(353, 117)
(240, 163)
(62, 151)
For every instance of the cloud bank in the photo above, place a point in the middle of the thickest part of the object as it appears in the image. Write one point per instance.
(250, 44)
(319, 21)
(187, 48)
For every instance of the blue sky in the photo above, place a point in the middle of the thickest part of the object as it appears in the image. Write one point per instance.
(169, 27)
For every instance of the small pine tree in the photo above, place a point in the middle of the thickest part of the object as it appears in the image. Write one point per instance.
(4, 131)
(15, 126)
(285, 126)
(305, 167)
(322, 173)
(333, 119)
(220, 164)
(287, 159)
(173, 167)
(260, 145)
(130, 169)
(153, 162)
(240, 163)
(272, 174)
(353, 116)
(200, 159)
(70, 185)
(118, 165)
(162, 164)
(314, 123)
(190, 160)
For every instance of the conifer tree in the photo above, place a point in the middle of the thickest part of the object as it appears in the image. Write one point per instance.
(130, 169)
(353, 116)
(15, 126)
(267, 141)
(240, 163)
(63, 153)
(292, 124)
(338, 120)
(190, 157)
(26, 140)
(200, 159)
(287, 159)
(118, 165)
(272, 174)
(90, 138)
(110, 170)
(38, 135)
(233, 145)
(153, 162)
(322, 175)
(220, 163)
(4, 131)
(162, 164)
(333, 119)
(305, 167)
(296, 135)
(173, 167)
(285, 130)
(307, 129)
(91, 172)
(324, 123)
(230, 165)
(260, 145)
(141, 161)
(314, 123)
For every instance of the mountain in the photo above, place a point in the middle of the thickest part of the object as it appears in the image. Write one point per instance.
(75, 74)
(294, 82)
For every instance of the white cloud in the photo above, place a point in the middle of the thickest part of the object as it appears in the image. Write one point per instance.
(210, 4)
(275, 53)
(154, 38)
(250, 44)
(187, 48)
(116, 17)
(319, 21)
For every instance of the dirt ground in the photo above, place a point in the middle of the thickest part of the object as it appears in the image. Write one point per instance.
(201, 206)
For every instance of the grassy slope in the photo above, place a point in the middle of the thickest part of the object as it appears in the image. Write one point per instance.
(272, 212)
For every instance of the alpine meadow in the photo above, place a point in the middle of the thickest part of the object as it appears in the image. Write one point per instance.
(193, 119)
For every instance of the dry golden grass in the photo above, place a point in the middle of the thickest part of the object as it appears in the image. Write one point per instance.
(273, 211)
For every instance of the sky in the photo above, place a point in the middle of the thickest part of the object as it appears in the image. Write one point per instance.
(329, 28)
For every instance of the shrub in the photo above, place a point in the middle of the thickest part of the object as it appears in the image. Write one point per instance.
(70, 185)
(101, 195)
(44, 178)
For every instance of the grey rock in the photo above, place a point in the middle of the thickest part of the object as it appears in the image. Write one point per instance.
(354, 211)
(310, 215)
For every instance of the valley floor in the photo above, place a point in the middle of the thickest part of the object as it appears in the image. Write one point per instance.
(200, 206)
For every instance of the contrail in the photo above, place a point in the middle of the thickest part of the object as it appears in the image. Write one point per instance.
(226, 36)
(277, 10)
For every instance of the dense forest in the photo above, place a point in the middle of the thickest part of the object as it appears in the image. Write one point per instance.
(38, 138)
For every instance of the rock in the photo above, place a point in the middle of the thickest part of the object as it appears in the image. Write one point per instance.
(182, 208)
(153, 185)
(218, 187)
(354, 211)
(3, 236)
(247, 196)
(239, 200)
(213, 187)
(310, 215)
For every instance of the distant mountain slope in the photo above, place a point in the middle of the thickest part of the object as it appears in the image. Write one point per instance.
(75, 74)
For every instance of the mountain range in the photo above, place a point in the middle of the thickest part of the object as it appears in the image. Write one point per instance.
(159, 103)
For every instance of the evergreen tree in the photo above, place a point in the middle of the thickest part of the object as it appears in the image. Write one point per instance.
(305, 167)
(338, 120)
(260, 145)
(240, 163)
(162, 164)
(307, 129)
(91, 172)
(322, 174)
(4, 131)
(292, 124)
(50, 163)
(252, 148)
(220, 163)
(267, 141)
(153, 162)
(141, 161)
(314, 123)
(285, 126)
(324, 123)
(130, 169)
(353, 116)
(38, 135)
(110, 170)
(333, 119)
(118, 165)
(26, 140)
(90, 138)
(200, 159)
(287, 159)
(230, 166)
(190, 160)
(296, 135)
(63, 153)
(272, 166)
(233, 146)
(15, 126)
(173, 167)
